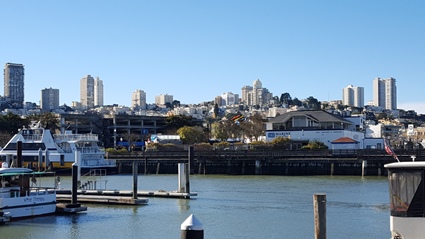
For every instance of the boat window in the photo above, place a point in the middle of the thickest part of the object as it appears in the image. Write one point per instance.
(26, 146)
(406, 192)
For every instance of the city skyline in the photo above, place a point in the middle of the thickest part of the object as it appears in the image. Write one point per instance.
(195, 51)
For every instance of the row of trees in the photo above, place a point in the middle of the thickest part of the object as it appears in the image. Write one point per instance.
(223, 129)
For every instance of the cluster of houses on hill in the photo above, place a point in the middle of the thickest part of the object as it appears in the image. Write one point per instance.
(335, 128)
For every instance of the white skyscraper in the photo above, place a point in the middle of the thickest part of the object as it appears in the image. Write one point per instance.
(91, 92)
(138, 99)
(228, 98)
(256, 95)
(353, 96)
(385, 93)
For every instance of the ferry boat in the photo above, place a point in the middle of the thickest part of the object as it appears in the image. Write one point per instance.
(56, 152)
(21, 196)
(407, 199)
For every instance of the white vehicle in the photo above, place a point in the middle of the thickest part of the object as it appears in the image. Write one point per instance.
(407, 199)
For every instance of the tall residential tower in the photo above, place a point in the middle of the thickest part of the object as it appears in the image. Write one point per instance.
(385, 93)
(49, 99)
(14, 83)
(91, 92)
(353, 96)
(138, 100)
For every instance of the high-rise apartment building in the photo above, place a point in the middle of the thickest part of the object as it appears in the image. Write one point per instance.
(228, 99)
(385, 93)
(14, 83)
(49, 99)
(218, 100)
(353, 96)
(91, 92)
(256, 95)
(138, 99)
(163, 99)
(98, 92)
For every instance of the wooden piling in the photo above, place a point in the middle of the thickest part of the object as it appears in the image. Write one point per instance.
(319, 203)
(135, 179)
(191, 156)
(146, 165)
(19, 154)
(364, 166)
(157, 167)
(74, 183)
(187, 169)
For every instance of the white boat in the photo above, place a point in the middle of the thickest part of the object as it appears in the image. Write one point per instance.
(407, 199)
(21, 196)
(42, 149)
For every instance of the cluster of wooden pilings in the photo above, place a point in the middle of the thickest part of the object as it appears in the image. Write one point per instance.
(260, 165)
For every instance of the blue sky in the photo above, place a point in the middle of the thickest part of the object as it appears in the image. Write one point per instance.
(196, 50)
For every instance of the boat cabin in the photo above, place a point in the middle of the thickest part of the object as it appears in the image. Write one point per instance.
(407, 199)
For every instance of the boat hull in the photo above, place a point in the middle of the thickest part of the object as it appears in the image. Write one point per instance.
(29, 206)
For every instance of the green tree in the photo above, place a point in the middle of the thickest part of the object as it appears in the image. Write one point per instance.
(297, 102)
(192, 134)
(11, 123)
(175, 103)
(220, 130)
(313, 103)
(174, 122)
(281, 142)
(285, 99)
(131, 139)
(253, 126)
(315, 144)
(47, 120)
(216, 110)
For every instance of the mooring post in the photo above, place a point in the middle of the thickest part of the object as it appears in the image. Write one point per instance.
(77, 161)
(19, 154)
(190, 158)
(257, 167)
(134, 179)
(319, 203)
(332, 169)
(74, 183)
(364, 166)
(46, 159)
(191, 228)
(146, 165)
(186, 167)
(40, 159)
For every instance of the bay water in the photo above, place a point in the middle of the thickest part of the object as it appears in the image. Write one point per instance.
(228, 207)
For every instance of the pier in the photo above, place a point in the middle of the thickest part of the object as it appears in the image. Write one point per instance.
(363, 162)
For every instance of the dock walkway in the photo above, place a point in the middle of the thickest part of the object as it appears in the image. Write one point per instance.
(118, 196)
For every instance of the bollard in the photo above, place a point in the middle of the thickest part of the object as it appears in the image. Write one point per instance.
(192, 228)
(19, 154)
(319, 203)
(74, 183)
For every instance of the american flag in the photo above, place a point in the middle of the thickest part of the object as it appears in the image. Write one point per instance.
(389, 150)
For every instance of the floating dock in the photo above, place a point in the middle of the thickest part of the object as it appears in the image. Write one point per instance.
(101, 198)
(117, 196)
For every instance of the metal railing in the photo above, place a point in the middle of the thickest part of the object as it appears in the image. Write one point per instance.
(94, 179)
